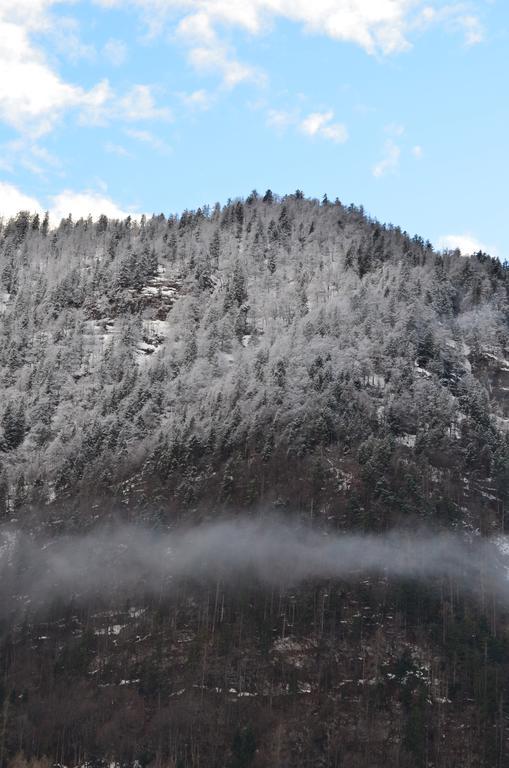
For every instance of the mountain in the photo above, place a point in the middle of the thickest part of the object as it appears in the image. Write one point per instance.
(274, 358)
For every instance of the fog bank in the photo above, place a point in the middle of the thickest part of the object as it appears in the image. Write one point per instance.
(133, 559)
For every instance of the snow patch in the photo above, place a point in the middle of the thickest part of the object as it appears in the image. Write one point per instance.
(4, 300)
(407, 439)
(377, 380)
(502, 544)
(114, 629)
(502, 423)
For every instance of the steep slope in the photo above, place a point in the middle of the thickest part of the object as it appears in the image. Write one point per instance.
(274, 355)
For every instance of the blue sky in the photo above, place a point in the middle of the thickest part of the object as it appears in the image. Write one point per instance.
(160, 105)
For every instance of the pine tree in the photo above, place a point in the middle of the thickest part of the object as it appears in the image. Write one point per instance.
(13, 425)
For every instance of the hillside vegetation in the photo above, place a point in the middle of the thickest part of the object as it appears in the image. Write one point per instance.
(271, 356)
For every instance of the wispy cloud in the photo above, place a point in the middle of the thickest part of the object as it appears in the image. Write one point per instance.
(13, 200)
(466, 243)
(280, 120)
(454, 17)
(389, 162)
(472, 28)
(32, 95)
(208, 53)
(64, 36)
(380, 27)
(116, 149)
(139, 104)
(320, 124)
(375, 25)
(199, 100)
(28, 154)
(79, 204)
(147, 137)
(115, 51)
(83, 204)
(314, 125)
(218, 59)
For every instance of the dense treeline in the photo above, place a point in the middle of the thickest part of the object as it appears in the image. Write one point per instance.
(273, 351)
(269, 326)
(329, 675)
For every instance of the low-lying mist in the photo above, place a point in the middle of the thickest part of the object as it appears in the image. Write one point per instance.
(132, 559)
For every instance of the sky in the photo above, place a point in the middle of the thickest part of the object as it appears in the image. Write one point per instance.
(149, 106)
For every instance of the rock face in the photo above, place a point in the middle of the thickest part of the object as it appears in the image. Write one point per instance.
(274, 357)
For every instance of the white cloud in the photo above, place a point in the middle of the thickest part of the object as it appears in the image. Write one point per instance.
(32, 94)
(78, 204)
(217, 59)
(472, 29)
(197, 100)
(316, 124)
(280, 120)
(139, 104)
(115, 51)
(378, 26)
(83, 204)
(23, 152)
(455, 17)
(197, 29)
(389, 162)
(336, 132)
(116, 149)
(64, 38)
(12, 201)
(319, 124)
(207, 53)
(97, 104)
(466, 243)
(147, 137)
(417, 151)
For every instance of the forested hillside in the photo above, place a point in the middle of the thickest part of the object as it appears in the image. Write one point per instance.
(272, 356)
